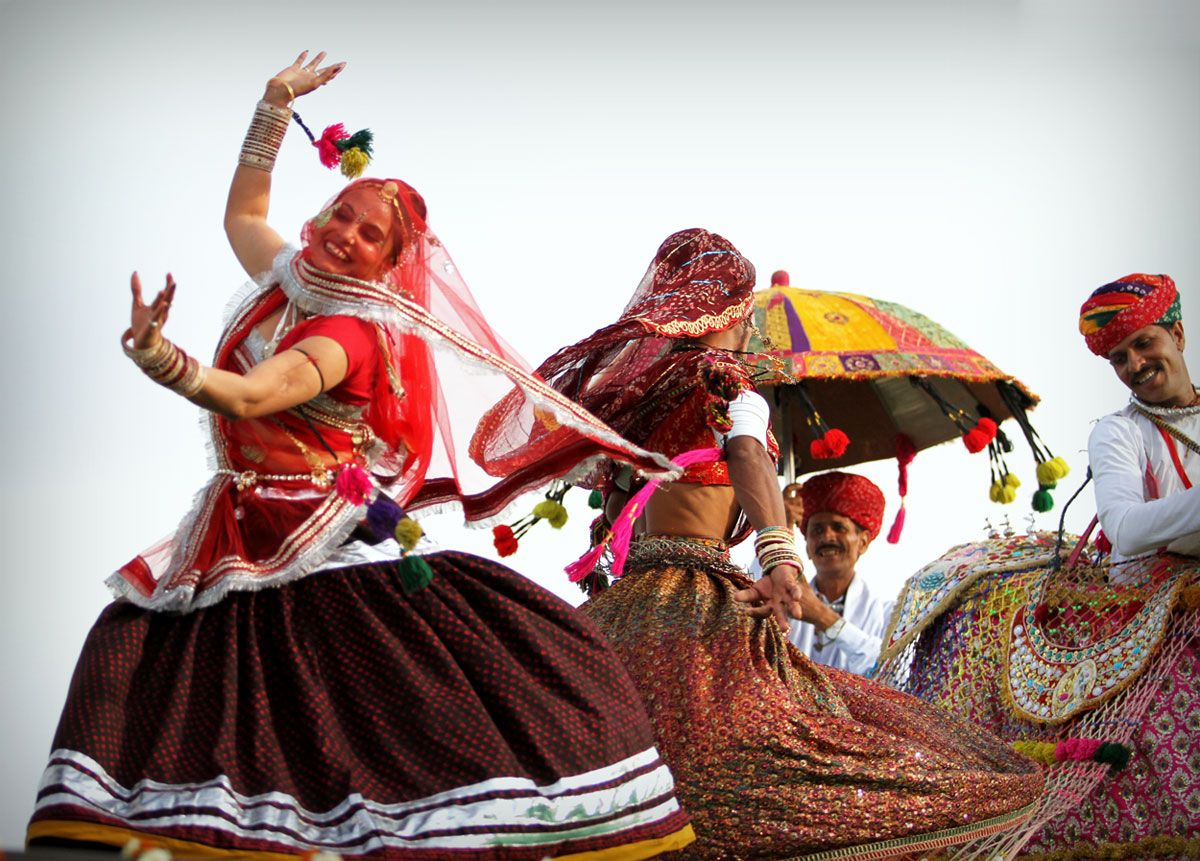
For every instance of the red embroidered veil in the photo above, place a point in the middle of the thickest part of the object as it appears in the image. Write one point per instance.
(637, 370)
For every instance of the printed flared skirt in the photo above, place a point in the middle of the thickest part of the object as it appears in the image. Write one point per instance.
(776, 757)
(480, 717)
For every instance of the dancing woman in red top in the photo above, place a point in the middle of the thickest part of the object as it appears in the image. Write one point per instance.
(271, 679)
(774, 756)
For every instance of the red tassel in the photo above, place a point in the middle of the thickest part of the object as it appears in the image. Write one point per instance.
(978, 437)
(893, 535)
(837, 441)
(326, 145)
(832, 445)
(353, 484)
(503, 540)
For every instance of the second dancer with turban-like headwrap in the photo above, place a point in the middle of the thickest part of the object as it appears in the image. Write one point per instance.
(774, 756)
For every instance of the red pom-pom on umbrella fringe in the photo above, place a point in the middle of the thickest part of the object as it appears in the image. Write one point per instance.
(978, 437)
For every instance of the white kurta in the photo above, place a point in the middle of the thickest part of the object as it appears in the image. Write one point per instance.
(857, 647)
(1142, 502)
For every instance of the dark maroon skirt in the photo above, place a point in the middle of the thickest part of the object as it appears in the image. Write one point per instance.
(480, 717)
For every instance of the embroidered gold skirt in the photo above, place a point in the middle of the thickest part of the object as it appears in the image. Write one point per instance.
(775, 757)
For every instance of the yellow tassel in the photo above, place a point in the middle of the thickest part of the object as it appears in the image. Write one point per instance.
(1012, 481)
(1050, 471)
(555, 512)
(408, 533)
(994, 491)
(1042, 751)
(354, 162)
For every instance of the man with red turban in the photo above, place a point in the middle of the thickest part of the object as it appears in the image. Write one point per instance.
(1145, 458)
(842, 516)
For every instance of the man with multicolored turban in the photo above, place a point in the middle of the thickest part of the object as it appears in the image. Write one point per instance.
(1145, 458)
(842, 516)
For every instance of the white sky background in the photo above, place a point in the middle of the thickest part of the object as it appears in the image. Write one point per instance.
(986, 163)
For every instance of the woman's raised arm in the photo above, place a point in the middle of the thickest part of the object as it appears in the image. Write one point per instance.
(254, 242)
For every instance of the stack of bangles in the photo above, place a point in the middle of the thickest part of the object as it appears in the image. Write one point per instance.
(265, 136)
(168, 366)
(774, 545)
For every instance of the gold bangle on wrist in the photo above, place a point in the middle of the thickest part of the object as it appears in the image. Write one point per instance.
(286, 86)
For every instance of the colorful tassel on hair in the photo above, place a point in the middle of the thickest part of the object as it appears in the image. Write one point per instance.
(353, 483)
(595, 500)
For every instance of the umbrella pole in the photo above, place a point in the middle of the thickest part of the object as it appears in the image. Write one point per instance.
(785, 439)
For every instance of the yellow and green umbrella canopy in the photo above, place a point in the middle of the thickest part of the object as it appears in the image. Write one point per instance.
(874, 370)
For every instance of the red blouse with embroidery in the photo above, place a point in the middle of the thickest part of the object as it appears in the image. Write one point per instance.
(360, 343)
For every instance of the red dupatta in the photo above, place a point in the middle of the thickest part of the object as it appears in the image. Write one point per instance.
(264, 519)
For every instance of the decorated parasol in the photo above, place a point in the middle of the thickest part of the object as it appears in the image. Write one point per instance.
(852, 379)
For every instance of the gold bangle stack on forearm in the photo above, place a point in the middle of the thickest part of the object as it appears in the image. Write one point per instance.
(170, 366)
(775, 545)
(264, 136)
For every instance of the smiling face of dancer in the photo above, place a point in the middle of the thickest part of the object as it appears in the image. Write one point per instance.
(357, 236)
(1150, 363)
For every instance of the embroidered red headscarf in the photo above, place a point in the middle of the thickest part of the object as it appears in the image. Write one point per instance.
(846, 494)
(635, 371)
(1118, 309)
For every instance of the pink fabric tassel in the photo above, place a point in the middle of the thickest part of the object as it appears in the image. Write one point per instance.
(586, 563)
(353, 484)
(893, 535)
(622, 532)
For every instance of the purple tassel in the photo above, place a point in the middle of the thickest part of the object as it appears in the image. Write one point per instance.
(382, 516)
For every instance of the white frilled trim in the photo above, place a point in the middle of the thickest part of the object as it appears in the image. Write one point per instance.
(501, 811)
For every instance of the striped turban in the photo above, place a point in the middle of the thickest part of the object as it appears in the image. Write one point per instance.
(1117, 310)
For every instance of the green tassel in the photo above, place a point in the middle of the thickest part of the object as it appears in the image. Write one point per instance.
(361, 139)
(1042, 500)
(595, 499)
(1116, 755)
(415, 573)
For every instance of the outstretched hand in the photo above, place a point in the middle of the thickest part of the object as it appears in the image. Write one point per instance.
(780, 594)
(146, 321)
(304, 75)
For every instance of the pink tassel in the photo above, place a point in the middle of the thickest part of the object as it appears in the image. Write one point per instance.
(893, 535)
(353, 484)
(622, 532)
(326, 145)
(586, 563)
(905, 453)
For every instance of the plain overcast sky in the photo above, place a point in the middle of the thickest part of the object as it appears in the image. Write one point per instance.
(986, 163)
